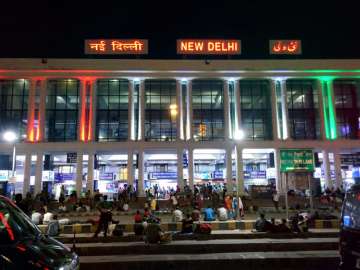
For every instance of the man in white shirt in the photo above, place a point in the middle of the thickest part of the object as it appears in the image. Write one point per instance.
(275, 198)
(222, 214)
(36, 218)
(178, 215)
(48, 217)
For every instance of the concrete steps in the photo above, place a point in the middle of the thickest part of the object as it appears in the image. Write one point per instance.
(294, 260)
(207, 246)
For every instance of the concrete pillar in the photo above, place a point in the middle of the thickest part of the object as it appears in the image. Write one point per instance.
(82, 110)
(141, 171)
(237, 105)
(274, 110)
(142, 110)
(321, 110)
(38, 172)
(284, 111)
(337, 166)
(90, 173)
(189, 113)
(239, 171)
(31, 112)
(226, 110)
(27, 174)
(79, 173)
(179, 115)
(191, 168)
(130, 168)
(180, 169)
(229, 182)
(92, 116)
(278, 182)
(131, 122)
(326, 168)
(42, 109)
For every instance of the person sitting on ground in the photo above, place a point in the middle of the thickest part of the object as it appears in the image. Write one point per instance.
(303, 226)
(80, 207)
(125, 207)
(37, 217)
(178, 215)
(222, 213)
(282, 227)
(195, 215)
(295, 223)
(261, 224)
(138, 218)
(187, 224)
(146, 212)
(209, 214)
(53, 227)
(48, 216)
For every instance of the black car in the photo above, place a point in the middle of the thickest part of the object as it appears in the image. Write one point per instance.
(350, 230)
(23, 246)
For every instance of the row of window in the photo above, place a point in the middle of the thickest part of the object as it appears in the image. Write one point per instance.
(112, 111)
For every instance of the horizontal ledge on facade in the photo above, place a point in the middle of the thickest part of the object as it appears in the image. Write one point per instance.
(93, 147)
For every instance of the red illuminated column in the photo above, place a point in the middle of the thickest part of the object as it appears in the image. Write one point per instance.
(36, 110)
(42, 110)
(82, 115)
(31, 112)
(87, 110)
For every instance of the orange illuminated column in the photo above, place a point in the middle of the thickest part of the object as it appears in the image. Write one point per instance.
(34, 114)
(86, 117)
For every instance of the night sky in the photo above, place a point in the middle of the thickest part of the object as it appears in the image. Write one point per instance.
(49, 29)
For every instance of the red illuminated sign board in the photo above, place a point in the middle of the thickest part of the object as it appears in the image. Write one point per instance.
(208, 46)
(285, 46)
(116, 46)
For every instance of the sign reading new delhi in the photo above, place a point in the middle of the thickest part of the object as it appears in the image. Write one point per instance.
(116, 46)
(187, 46)
(208, 46)
(296, 160)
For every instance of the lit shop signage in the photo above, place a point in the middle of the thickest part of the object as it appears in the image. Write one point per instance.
(208, 46)
(285, 46)
(296, 160)
(116, 46)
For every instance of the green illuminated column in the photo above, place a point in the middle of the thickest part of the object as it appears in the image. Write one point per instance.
(328, 108)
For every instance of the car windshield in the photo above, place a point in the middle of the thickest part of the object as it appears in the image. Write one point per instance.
(14, 224)
(351, 211)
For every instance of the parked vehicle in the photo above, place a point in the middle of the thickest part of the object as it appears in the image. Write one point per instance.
(23, 246)
(350, 230)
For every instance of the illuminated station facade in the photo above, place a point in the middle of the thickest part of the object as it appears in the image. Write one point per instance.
(102, 124)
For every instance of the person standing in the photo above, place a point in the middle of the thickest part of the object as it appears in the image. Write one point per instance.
(275, 199)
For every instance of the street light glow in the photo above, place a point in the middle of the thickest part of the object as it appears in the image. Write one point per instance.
(9, 136)
(239, 134)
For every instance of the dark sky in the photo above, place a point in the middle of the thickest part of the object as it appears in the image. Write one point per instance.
(58, 28)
